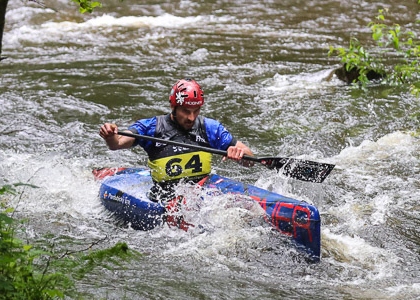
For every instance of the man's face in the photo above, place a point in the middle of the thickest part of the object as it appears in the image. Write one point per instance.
(186, 116)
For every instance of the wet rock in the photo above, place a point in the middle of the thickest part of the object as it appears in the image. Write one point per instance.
(353, 74)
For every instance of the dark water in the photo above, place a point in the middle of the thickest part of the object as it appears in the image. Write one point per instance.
(263, 66)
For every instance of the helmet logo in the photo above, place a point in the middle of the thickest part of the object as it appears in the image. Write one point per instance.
(179, 98)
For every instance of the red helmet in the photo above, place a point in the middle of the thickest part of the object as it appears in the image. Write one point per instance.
(186, 92)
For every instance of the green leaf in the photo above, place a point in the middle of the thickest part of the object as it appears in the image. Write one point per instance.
(27, 247)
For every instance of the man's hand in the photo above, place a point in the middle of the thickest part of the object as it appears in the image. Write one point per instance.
(237, 152)
(109, 132)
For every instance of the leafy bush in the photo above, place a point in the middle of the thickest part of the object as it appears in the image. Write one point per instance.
(20, 277)
(28, 272)
(396, 56)
(87, 5)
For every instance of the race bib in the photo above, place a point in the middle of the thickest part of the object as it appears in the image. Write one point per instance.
(179, 166)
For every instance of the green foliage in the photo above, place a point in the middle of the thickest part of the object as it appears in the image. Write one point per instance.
(79, 264)
(396, 54)
(87, 5)
(19, 277)
(29, 272)
(356, 57)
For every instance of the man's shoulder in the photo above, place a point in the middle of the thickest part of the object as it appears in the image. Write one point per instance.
(209, 121)
(214, 126)
(147, 121)
(219, 137)
(144, 126)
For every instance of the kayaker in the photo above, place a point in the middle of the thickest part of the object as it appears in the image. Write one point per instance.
(171, 164)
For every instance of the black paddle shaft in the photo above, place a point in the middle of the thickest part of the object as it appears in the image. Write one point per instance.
(300, 169)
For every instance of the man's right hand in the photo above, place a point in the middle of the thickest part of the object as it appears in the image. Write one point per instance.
(108, 130)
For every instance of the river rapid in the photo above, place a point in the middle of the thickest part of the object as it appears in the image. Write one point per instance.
(265, 71)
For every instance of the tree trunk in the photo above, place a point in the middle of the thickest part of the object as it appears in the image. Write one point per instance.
(3, 6)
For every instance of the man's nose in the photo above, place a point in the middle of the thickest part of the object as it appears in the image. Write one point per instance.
(191, 116)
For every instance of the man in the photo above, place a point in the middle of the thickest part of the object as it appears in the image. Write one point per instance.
(171, 164)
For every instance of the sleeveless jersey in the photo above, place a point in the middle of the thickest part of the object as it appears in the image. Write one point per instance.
(169, 163)
(172, 163)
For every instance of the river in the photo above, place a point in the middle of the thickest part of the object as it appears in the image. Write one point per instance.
(263, 66)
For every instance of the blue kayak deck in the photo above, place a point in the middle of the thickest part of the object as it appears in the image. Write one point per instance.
(125, 194)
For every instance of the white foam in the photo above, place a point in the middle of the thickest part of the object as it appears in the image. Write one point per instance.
(165, 20)
(300, 84)
(391, 144)
(227, 224)
(95, 30)
(62, 186)
(355, 252)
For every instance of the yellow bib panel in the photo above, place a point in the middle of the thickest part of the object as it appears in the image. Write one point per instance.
(187, 165)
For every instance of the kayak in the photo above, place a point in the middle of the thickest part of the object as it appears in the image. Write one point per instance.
(123, 191)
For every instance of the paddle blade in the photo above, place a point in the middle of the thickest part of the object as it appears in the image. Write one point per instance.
(304, 170)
